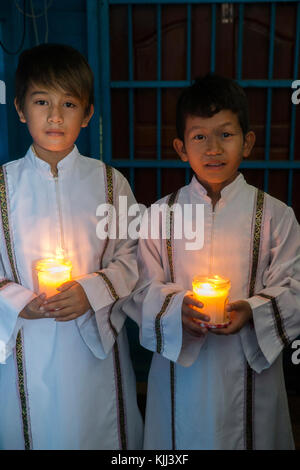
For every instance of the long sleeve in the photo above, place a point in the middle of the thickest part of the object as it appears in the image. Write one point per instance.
(276, 307)
(114, 281)
(13, 298)
(156, 306)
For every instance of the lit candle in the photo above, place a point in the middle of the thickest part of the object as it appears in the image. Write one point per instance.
(213, 292)
(52, 272)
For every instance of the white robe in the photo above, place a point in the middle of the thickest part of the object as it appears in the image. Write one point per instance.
(78, 381)
(202, 400)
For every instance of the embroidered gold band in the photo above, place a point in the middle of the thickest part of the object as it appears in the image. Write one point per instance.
(278, 320)
(255, 257)
(170, 226)
(158, 324)
(169, 242)
(115, 297)
(256, 239)
(109, 199)
(4, 283)
(5, 223)
(109, 285)
(19, 339)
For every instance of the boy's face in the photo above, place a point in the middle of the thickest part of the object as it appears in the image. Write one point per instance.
(54, 119)
(214, 148)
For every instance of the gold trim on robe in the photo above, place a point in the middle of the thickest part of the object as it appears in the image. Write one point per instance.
(19, 354)
(250, 374)
(121, 405)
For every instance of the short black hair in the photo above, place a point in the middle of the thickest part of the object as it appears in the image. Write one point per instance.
(55, 65)
(209, 95)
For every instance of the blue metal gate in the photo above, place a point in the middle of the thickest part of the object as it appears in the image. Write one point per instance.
(107, 86)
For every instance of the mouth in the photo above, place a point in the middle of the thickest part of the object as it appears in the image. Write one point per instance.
(55, 133)
(214, 165)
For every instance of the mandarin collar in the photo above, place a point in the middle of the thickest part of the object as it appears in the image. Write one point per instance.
(64, 166)
(227, 193)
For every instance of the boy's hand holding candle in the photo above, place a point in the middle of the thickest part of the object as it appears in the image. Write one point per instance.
(240, 313)
(212, 292)
(71, 302)
(191, 315)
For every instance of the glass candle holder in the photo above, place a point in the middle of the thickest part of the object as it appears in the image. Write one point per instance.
(213, 292)
(52, 272)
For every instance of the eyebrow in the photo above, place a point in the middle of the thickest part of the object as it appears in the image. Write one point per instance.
(42, 92)
(224, 124)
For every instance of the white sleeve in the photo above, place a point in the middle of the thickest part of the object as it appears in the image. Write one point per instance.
(276, 308)
(13, 298)
(100, 326)
(156, 307)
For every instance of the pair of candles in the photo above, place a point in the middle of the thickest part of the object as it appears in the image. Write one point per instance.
(212, 291)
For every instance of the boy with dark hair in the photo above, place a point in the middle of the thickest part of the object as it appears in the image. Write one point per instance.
(210, 387)
(66, 381)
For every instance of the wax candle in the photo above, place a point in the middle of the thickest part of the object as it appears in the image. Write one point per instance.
(52, 272)
(213, 292)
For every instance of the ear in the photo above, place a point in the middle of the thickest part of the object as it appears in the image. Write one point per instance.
(87, 118)
(179, 148)
(249, 141)
(19, 111)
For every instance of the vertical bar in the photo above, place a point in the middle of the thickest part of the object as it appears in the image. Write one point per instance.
(188, 42)
(158, 101)
(3, 110)
(93, 59)
(293, 112)
(213, 37)
(240, 42)
(188, 64)
(130, 97)
(105, 103)
(269, 93)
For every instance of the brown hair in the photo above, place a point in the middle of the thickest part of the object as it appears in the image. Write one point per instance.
(209, 95)
(55, 66)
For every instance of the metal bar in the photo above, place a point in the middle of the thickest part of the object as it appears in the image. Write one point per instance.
(105, 103)
(92, 43)
(176, 2)
(188, 63)
(4, 154)
(293, 111)
(213, 37)
(158, 101)
(131, 95)
(240, 43)
(184, 83)
(187, 175)
(269, 93)
(188, 42)
(249, 164)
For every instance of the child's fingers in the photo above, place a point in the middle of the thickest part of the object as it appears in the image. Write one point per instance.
(193, 328)
(57, 304)
(66, 285)
(189, 300)
(191, 313)
(60, 312)
(57, 297)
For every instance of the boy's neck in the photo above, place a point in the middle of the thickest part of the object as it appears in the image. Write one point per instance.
(52, 158)
(214, 189)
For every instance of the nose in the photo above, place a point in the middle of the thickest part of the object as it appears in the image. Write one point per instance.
(213, 145)
(55, 114)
